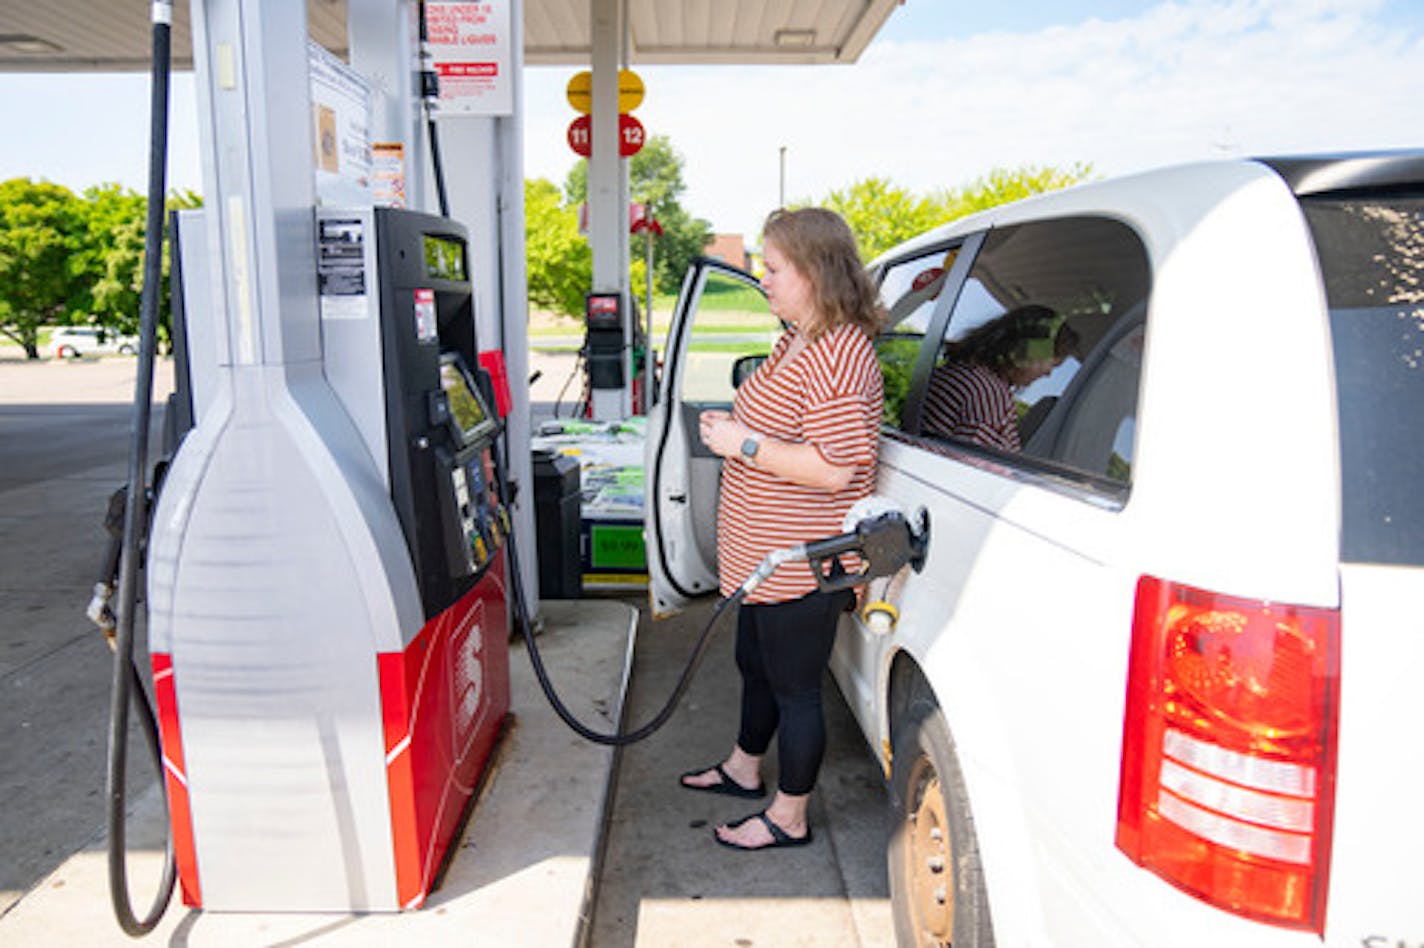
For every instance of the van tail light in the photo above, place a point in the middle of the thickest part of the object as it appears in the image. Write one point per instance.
(1228, 750)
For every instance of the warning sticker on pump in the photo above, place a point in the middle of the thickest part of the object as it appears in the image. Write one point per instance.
(425, 324)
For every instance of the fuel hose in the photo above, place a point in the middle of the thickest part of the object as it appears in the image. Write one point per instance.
(875, 530)
(127, 682)
(526, 628)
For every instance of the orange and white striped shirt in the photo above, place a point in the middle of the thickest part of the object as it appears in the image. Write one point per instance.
(829, 395)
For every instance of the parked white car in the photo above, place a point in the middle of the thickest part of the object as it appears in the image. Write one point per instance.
(1157, 682)
(69, 342)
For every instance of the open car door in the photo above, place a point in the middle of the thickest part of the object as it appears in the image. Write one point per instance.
(721, 330)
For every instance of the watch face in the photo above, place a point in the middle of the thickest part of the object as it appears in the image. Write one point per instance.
(749, 447)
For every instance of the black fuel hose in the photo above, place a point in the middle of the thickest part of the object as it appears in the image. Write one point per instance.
(621, 738)
(127, 682)
(429, 94)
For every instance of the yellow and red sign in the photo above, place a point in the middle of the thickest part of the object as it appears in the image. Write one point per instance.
(631, 134)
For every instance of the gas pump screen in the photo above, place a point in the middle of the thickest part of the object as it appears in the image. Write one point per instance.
(468, 409)
(444, 257)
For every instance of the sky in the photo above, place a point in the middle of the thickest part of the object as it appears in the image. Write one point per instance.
(947, 91)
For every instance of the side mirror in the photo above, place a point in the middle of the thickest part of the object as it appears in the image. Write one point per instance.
(745, 367)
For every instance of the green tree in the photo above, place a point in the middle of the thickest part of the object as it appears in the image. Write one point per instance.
(882, 215)
(559, 260)
(39, 226)
(111, 260)
(655, 179)
(110, 263)
(1003, 185)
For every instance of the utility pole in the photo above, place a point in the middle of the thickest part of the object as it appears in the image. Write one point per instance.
(781, 194)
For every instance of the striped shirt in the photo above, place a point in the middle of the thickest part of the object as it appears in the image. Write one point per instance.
(971, 402)
(829, 395)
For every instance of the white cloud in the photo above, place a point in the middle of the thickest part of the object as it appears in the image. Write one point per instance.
(1181, 81)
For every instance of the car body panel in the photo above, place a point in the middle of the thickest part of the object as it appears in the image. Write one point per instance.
(1078, 559)
(1376, 895)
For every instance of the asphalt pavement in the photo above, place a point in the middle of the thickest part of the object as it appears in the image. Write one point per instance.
(654, 875)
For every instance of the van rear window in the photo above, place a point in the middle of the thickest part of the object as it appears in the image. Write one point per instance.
(1371, 252)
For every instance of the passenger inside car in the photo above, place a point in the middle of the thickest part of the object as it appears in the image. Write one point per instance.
(971, 392)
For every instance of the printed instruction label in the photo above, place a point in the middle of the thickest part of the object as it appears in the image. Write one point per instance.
(341, 269)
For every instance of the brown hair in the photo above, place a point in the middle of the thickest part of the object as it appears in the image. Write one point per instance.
(1026, 333)
(818, 243)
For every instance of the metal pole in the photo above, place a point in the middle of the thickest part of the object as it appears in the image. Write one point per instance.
(608, 199)
(648, 350)
(781, 200)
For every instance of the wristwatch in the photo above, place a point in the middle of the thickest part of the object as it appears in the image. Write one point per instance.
(750, 446)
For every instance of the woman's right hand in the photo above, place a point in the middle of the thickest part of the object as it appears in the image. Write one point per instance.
(707, 421)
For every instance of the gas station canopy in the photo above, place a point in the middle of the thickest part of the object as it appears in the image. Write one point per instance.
(102, 36)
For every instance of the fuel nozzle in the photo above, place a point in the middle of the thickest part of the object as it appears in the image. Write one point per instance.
(875, 529)
(885, 542)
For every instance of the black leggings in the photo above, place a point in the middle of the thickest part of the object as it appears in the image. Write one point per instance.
(782, 652)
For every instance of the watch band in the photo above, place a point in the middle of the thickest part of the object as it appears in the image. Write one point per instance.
(750, 446)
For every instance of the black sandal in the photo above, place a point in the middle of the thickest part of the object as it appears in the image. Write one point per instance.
(726, 785)
(780, 839)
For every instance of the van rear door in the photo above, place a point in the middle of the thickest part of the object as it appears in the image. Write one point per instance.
(1371, 251)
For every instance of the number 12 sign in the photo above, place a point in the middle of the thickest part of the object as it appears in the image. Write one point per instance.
(631, 136)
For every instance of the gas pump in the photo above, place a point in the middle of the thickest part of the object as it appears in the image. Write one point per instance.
(395, 302)
(338, 755)
(603, 319)
(604, 356)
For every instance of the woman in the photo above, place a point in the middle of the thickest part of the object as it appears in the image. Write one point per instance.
(971, 394)
(800, 447)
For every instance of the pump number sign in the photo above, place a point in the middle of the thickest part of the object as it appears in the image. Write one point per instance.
(581, 136)
(631, 136)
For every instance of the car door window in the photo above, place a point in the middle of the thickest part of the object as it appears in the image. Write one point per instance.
(721, 325)
(1041, 356)
(733, 322)
(909, 290)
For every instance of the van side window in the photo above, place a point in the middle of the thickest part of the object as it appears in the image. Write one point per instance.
(909, 290)
(1042, 352)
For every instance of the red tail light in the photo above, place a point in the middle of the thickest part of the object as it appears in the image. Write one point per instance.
(1228, 755)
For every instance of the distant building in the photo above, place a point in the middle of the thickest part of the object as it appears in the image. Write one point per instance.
(731, 249)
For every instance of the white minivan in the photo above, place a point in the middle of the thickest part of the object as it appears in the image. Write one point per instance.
(1158, 679)
(71, 342)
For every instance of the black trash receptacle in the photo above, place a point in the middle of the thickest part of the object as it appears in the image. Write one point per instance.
(557, 498)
